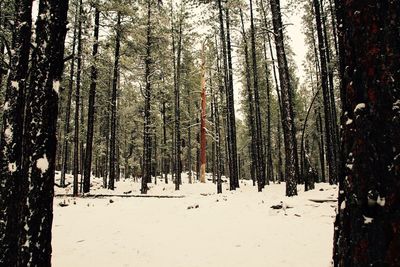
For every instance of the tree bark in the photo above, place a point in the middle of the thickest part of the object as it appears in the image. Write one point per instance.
(112, 171)
(368, 221)
(40, 137)
(146, 173)
(291, 158)
(91, 108)
(77, 102)
(13, 184)
(260, 170)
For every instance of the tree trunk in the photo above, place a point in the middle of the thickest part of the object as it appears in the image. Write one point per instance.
(65, 149)
(368, 221)
(326, 98)
(146, 173)
(77, 100)
(260, 172)
(203, 119)
(40, 133)
(13, 184)
(91, 108)
(291, 158)
(112, 171)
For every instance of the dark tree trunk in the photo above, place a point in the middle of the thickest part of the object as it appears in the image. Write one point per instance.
(165, 159)
(368, 221)
(13, 184)
(113, 122)
(203, 140)
(91, 108)
(146, 173)
(40, 131)
(266, 25)
(65, 149)
(260, 167)
(77, 101)
(230, 114)
(291, 158)
(178, 164)
(329, 137)
(253, 132)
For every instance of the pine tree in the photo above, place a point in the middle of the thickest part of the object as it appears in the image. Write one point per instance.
(367, 224)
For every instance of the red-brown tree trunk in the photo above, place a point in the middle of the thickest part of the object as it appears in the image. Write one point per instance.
(367, 227)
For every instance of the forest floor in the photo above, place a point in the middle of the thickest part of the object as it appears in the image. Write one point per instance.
(196, 228)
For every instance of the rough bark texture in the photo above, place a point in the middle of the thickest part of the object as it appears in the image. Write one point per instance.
(289, 131)
(13, 185)
(367, 227)
(40, 131)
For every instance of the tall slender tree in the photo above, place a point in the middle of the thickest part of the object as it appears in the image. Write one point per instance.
(91, 109)
(289, 131)
(113, 122)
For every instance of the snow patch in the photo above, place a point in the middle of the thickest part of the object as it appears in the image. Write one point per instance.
(8, 134)
(15, 85)
(367, 220)
(349, 121)
(42, 164)
(6, 106)
(12, 167)
(381, 201)
(56, 86)
(343, 205)
(359, 107)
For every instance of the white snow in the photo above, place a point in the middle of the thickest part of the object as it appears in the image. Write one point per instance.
(381, 201)
(6, 106)
(8, 134)
(360, 106)
(349, 121)
(235, 228)
(12, 167)
(42, 164)
(56, 86)
(15, 85)
(367, 220)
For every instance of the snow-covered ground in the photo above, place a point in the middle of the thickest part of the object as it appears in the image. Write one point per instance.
(200, 228)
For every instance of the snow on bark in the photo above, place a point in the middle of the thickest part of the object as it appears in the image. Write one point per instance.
(42, 164)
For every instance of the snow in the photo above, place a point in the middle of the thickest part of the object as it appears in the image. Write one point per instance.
(349, 121)
(12, 167)
(42, 164)
(381, 201)
(6, 106)
(56, 86)
(15, 85)
(8, 134)
(359, 107)
(200, 228)
(367, 220)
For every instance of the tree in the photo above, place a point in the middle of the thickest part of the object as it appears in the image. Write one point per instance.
(114, 103)
(146, 173)
(32, 190)
(368, 221)
(291, 159)
(13, 186)
(91, 111)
